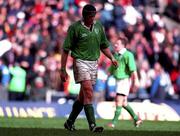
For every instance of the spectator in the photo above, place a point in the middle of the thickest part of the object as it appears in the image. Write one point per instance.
(175, 78)
(38, 90)
(4, 73)
(173, 10)
(4, 79)
(17, 85)
(161, 87)
(110, 88)
(144, 80)
(118, 14)
(100, 86)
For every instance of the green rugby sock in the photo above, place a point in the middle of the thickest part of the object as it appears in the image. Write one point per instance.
(76, 109)
(131, 112)
(89, 111)
(117, 114)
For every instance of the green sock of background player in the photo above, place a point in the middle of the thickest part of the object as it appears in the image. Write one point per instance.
(131, 112)
(118, 112)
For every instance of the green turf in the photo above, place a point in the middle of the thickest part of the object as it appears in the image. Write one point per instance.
(54, 127)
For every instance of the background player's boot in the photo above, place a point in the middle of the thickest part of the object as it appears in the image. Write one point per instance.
(111, 125)
(138, 122)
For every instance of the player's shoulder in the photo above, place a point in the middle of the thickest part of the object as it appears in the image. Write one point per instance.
(75, 25)
(98, 23)
(129, 53)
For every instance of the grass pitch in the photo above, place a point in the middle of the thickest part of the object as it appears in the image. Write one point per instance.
(54, 127)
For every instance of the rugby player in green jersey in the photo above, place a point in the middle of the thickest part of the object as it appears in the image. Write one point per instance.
(126, 76)
(85, 39)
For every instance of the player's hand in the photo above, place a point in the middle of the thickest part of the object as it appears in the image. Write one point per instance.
(136, 85)
(114, 62)
(64, 75)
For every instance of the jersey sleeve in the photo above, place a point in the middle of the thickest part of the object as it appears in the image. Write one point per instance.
(69, 40)
(131, 63)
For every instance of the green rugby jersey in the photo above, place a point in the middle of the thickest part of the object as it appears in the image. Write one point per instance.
(83, 43)
(126, 66)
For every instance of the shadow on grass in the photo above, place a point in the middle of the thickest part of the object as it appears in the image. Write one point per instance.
(83, 132)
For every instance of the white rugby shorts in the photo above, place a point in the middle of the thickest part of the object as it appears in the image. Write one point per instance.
(85, 70)
(123, 86)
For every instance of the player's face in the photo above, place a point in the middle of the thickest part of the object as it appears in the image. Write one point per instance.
(88, 20)
(118, 46)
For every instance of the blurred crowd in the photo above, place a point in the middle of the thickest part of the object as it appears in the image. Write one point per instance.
(34, 31)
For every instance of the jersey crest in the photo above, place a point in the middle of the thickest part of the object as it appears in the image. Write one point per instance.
(83, 35)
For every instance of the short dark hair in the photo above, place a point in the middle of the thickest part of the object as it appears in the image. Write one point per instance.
(123, 39)
(88, 10)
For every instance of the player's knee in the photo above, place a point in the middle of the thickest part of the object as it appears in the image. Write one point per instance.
(88, 98)
(89, 95)
(87, 88)
(124, 104)
(120, 104)
(81, 99)
(88, 92)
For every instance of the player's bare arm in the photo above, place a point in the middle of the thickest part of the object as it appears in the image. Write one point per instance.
(135, 80)
(64, 75)
(108, 53)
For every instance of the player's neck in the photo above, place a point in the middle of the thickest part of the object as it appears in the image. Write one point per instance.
(88, 26)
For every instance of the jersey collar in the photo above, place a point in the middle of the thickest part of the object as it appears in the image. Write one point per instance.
(122, 51)
(82, 22)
